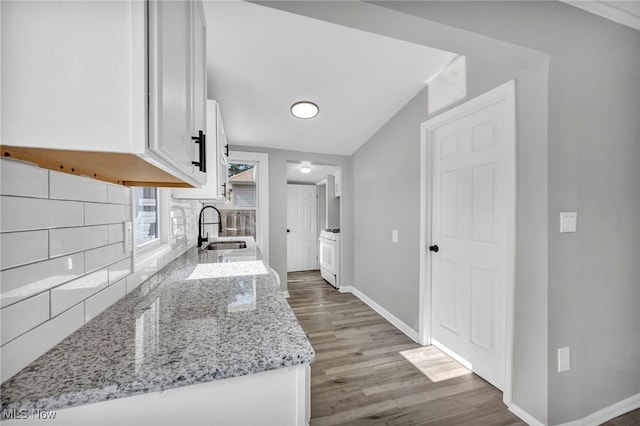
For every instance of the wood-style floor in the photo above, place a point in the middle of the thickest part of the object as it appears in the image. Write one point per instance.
(363, 374)
(368, 372)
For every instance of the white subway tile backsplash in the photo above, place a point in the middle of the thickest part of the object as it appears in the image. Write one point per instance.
(25, 281)
(21, 214)
(103, 256)
(119, 270)
(101, 301)
(69, 294)
(115, 233)
(20, 248)
(71, 240)
(98, 214)
(23, 180)
(23, 316)
(63, 186)
(54, 229)
(20, 352)
(118, 194)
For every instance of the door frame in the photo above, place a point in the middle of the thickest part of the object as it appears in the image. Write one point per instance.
(261, 159)
(504, 93)
(317, 231)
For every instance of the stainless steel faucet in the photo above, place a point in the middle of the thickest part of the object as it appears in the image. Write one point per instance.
(202, 239)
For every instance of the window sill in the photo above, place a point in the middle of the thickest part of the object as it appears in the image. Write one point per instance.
(149, 254)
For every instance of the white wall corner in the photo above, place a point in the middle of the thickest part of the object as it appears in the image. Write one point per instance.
(395, 321)
(524, 416)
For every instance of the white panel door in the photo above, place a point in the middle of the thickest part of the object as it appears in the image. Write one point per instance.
(472, 198)
(302, 237)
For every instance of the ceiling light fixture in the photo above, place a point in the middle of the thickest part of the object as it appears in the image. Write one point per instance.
(304, 109)
(305, 169)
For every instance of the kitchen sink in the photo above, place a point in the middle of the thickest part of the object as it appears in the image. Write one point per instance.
(226, 245)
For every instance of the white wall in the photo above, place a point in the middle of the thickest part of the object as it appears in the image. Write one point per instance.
(594, 158)
(387, 196)
(62, 256)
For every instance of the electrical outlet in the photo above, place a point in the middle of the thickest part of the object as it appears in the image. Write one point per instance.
(564, 359)
(394, 236)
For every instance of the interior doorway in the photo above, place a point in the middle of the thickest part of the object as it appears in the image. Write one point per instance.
(302, 232)
(468, 233)
(324, 181)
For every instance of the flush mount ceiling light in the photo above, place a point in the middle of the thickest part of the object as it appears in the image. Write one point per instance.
(304, 109)
(305, 167)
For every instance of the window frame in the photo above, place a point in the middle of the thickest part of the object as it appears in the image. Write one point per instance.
(146, 253)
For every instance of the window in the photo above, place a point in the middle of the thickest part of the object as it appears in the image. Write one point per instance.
(146, 216)
(239, 214)
(242, 184)
(151, 217)
(244, 195)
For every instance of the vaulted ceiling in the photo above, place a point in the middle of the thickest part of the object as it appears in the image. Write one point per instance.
(261, 60)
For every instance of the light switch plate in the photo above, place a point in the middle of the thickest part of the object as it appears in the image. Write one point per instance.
(394, 236)
(128, 237)
(568, 221)
(564, 359)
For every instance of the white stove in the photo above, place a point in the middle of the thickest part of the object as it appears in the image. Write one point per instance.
(330, 256)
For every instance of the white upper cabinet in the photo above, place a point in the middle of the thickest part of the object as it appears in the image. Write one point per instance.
(199, 87)
(216, 160)
(111, 90)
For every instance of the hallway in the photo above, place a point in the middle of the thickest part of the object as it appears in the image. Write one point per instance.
(362, 373)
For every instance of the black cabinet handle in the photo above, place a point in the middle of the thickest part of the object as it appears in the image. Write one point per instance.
(201, 140)
(203, 153)
(434, 248)
(226, 150)
(288, 230)
(224, 192)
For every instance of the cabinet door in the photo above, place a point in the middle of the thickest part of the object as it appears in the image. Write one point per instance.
(199, 83)
(211, 191)
(170, 83)
(223, 173)
(73, 76)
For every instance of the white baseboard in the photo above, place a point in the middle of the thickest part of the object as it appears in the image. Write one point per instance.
(524, 416)
(608, 413)
(411, 333)
(594, 419)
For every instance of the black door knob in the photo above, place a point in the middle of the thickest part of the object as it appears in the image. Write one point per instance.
(434, 248)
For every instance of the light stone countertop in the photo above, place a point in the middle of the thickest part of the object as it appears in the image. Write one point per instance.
(207, 315)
